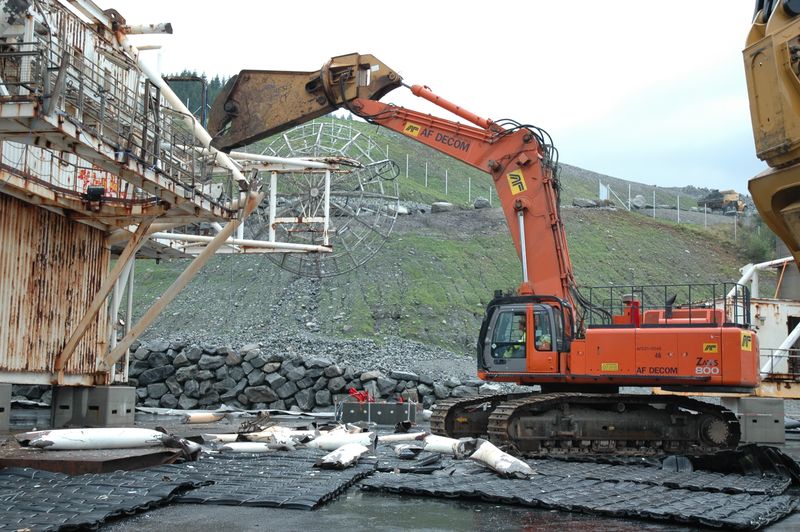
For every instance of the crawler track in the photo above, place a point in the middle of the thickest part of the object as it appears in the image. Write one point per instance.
(590, 424)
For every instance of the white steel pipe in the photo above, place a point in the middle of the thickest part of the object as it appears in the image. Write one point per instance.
(199, 131)
(293, 162)
(243, 242)
(148, 29)
(327, 207)
(523, 250)
(273, 198)
(750, 269)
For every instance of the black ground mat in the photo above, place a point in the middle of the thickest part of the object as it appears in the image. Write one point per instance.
(285, 480)
(42, 500)
(694, 480)
(618, 498)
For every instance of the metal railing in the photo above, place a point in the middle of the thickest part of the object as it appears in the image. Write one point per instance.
(780, 364)
(115, 104)
(668, 304)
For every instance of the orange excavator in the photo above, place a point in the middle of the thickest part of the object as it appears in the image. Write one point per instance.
(578, 346)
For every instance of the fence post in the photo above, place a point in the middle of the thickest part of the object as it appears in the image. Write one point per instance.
(426, 175)
(406, 166)
(445, 181)
(679, 208)
(469, 189)
(654, 204)
(490, 195)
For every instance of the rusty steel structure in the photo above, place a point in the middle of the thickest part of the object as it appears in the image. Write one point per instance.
(100, 160)
(94, 156)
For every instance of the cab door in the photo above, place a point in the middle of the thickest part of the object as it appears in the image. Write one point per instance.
(522, 339)
(505, 348)
(542, 353)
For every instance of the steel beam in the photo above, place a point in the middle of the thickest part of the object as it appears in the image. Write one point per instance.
(253, 199)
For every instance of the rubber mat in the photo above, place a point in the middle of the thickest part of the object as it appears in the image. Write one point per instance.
(42, 500)
(269, 480)
(603, 497)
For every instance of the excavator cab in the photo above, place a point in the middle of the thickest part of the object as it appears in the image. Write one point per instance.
(522, 335)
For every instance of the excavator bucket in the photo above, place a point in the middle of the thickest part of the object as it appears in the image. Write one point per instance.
(258, 103)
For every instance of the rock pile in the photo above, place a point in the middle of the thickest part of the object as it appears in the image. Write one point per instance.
(172, 375)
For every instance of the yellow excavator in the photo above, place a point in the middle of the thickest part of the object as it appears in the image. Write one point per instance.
(772, 67)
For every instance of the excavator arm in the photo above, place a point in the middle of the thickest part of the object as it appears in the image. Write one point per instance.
(772, 68)
(520, 159)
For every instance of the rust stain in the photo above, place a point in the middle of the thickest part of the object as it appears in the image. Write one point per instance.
(50, 269)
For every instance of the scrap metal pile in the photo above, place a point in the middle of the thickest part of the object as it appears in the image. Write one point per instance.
(302, 463)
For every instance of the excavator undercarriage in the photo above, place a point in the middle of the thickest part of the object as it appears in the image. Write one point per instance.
(579, 424)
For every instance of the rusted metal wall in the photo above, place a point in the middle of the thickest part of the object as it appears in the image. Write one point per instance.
(50, 268)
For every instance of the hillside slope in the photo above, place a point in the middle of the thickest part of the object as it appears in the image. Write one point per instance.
(430, 282)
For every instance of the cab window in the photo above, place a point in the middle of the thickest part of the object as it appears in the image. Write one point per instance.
(508, 338)
(543, 330)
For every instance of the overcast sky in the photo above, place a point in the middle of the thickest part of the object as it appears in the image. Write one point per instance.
(648, 91)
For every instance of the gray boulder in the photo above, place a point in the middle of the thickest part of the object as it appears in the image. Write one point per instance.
(287, 390)
(186, 373)
(441, 206)
(168, 400)
(156, 390)
(275, 380)
(464, 391)
(441, 391)
(186, 403)
(323, 398)
(336, 384)
(305, 399)
(481, 203)
(334, 371)
(584, 203)
(194, 353)
(209, 399)
(260, 394)
(155, 375)
(404, 376)
(296, 373)
(211, 362)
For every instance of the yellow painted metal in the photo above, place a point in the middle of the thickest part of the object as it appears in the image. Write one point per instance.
(772, 69)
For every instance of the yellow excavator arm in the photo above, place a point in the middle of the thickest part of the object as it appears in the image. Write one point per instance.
(772, 68)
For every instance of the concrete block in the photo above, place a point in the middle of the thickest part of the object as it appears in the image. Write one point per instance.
(761, 418)
(99, 406)
(111, 406)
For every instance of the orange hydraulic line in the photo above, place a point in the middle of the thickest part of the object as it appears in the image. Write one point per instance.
(780, 280)
(426, 93)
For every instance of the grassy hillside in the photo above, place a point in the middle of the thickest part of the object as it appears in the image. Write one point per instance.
(429, 283)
